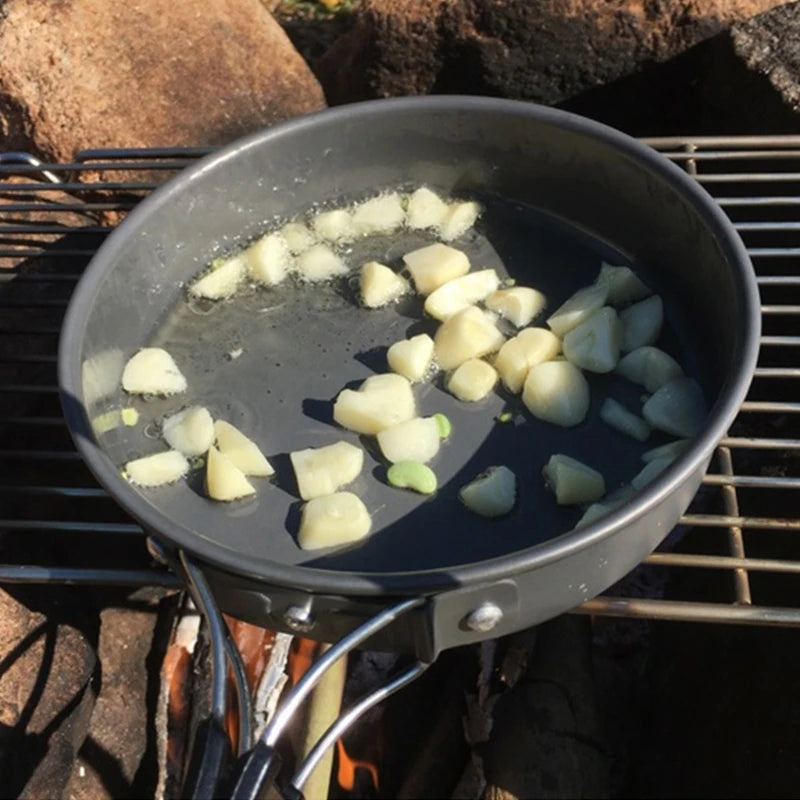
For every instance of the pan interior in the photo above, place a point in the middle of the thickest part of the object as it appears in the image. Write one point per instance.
(271, 361)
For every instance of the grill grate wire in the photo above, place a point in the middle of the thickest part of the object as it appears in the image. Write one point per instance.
(739, 562)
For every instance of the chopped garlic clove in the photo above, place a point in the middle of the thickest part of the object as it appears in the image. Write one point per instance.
(677, 408)
(152, 371)
(242, 452)
(334, 226)
(622, 284)
(641, 323)
(157, 470)
(380, 402)
(323, 470)
(519, 304)
(380, 285)
(618, 417)
(468, 334)
(297, 237)
(382, 214)
(460, 293)
(411, 357)
(651, 471)
(668, 450)
(414, 440)
(594, 344)
(458, 219)
(435, 264)
(425, 209)
(319, 263)
(557, 392)
(577, 308)
(492, 494)
(268, 259)
(224, 480)
(332, 521)
(191, 431)
(222, 281)
(472, 380)
(572, 480)
(530, 346)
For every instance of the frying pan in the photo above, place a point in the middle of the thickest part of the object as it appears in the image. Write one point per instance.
(561, 194)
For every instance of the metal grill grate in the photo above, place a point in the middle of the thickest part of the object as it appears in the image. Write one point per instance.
(737, 559)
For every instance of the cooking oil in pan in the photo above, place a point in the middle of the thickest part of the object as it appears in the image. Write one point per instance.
(297, 345)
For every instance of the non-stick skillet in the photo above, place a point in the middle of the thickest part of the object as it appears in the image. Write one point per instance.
(561, 194)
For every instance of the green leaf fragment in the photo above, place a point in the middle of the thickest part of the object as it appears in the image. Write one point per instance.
(445, 428)
(412, 475)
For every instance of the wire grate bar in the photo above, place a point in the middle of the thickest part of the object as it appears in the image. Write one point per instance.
(69, 526)
(753, 443)
(757, 481)
(52, 491)
(87, 577)
(751, 523)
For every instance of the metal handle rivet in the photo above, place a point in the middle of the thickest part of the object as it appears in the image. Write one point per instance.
(484, 618)
(298, 618)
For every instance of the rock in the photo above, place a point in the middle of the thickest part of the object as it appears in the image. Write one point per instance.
(46, 664)
(92, 74)
(546, 51)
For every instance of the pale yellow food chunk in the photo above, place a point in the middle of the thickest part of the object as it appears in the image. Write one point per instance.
(579, 307)
(319, 263)
(334, 226)
(557, 392)
(382, 214)
(425, 209)
(622, 284)
(323, 470)
(241, 451)
(649, 367)
(297, 237)
(641, 323)
(606, 506)
(458, 219)
(435, 264)
(224, 480)
(530, 346)
(380, 285)
(472, 380)
(332, 521)
(519, 304)
(468, 334)
(222, 281)
(380, 402)
(650, 471)
(152, 371)
(668, 450)
(460, 293)
(594, 344)
(677, 408)
(492, 494)
(572, 480)
(414, 440)
(268, 259)
(191, 431)
(411, 357)
(158, 469)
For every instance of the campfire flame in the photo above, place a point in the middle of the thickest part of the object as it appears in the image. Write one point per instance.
(347, 766)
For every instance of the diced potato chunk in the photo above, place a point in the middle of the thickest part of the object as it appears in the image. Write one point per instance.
(158, 469)
(380, 285)
(319, 263)
(677, 408)
(458, 219)
(649, 367)
(332, 521)
(557, 392)
(594, 344)
(334, 226)
(617, 416)
(323, 470)
(224, 480)
(651, 471)
(622, 283)
(414, 440)
(668, 450)
(468, 334)
(435, 264)
(492, 494)
(268, 259)
(425, 209)
(222, 281)
(519, 304)
(152, 371)
(191, 431)
(298, 237)
(411, 357)
(572, 480)
(641, 323)
(382, 214)
(241, 451)
(576, 309)
(460, 293)
(380, 402)
(530, 346)
(472, 380)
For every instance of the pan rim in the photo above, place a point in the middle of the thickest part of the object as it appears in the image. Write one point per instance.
(363, 583)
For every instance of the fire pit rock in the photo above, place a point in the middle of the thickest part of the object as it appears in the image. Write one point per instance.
(544, 51)
(79, 74)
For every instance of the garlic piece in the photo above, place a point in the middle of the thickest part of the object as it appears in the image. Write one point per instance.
(158, 469)
(519, 304)
(425, 209)
(335, 225)
(557, 392)
(649, 367)
(593, 345)
(319, 263)
(618, 417)
(472, 380)
(435, 264)
(382, 214)
(577, 308)
(323, 470)
(572, 480)
(241, 451)
(411, 357)
(622, 284)
(458, 219)
(152, 371)
(297, 237)
(268, 259)
(492, 494)
(460, 293)
(380, 402)
(224, 480)
(221, 281)
(414, 440)
(332, 521)
(641, 323)
(380, 285)
(191, 431)
(468, 334)
(677, 408)
(530, 346)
